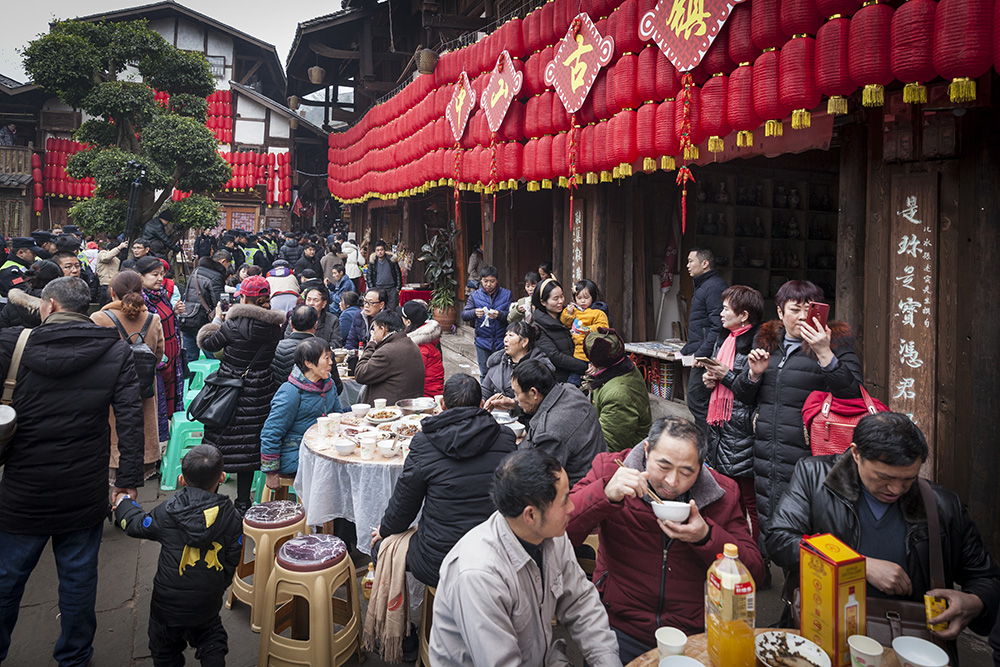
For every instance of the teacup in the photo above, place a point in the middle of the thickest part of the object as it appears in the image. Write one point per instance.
(916, 652)
(670, 641)
(368, 442)
(380, 403)
(865, 651)
(360, 410)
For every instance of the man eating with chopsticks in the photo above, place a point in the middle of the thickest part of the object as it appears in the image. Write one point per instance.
(651, 573)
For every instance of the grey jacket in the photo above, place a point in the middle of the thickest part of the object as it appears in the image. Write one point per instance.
(566, 426)
(500, 370)
(493, 608)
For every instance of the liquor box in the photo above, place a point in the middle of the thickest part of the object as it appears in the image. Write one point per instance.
(832, 588)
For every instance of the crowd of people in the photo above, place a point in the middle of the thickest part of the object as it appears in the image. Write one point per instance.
(503, 518)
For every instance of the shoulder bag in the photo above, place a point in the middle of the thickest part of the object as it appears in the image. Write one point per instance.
(8, 416)
(194, 317)
(215, 404)
(829, 422)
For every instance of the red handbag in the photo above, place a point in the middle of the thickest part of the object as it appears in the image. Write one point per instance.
(829, 422)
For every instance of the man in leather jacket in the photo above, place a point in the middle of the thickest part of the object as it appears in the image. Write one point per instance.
(868, 498)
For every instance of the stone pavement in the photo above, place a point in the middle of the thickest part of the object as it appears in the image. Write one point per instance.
(127, 567)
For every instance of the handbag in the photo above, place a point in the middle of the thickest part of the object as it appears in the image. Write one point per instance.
(888, 619)
(829, 422)
(8, 416)
(215, 404)
(194, 317)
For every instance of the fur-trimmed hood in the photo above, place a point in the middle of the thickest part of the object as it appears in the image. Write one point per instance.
(242, 310)
(428, 332)
(772, 334)
(24, 300)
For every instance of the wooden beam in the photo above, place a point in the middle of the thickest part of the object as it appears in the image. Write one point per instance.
(454, 22)
(380, 86)
(343, 115)
(851, 240)
(337, 54)
(367, 63)
(253, 70)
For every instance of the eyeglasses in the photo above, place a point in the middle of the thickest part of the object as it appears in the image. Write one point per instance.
(368, 302)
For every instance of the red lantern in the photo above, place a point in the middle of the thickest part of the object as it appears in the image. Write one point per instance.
(800, 17)
(911, 54)
(714, 118)
(545, 112)
(560, 158)
(741, 48)
(585, 154)
(668, 81)
(599, 96)
(833, 74)
(717, 60)
(512, 161)
(624, 84)
(868, 51)
(626, 35)
(528, 165)
(963, 44)
(690, 98)
(560, 119)
(603, 162)
(624, 149)
(37, 189)
(797, 79)
(36, 161)
(543, 161)
(645, 135)
(667, 142)
(38, 205)
(740, 110)
(36, 175)
(765, 26)
(766, 94)
(646, 75)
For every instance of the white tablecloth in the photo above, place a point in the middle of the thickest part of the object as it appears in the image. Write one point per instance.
(332, 487)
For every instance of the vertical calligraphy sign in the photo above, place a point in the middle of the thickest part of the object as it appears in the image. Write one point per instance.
(576, 237)
(913, 299)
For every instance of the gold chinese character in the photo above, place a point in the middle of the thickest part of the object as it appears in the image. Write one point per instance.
(500, 94)
(578, 68)
(460, 100)
(686, 15)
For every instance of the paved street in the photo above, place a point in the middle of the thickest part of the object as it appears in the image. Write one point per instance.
(126, 575)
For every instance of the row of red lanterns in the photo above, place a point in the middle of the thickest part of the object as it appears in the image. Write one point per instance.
(754, 73)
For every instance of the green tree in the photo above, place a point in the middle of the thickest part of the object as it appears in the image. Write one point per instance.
(109, 71)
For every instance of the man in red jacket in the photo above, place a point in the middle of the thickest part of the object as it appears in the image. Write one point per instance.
(651, 573)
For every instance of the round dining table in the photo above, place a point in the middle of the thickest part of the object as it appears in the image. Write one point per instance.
(331, 486)
(697, 648)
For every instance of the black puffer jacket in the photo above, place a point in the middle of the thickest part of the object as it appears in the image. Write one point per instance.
(557, 343)
(284, 357)
(327, 328)
(823, 498)
(56, 477)
(21, 309)
(704, 322)
(199, 534)
(210, 280)
(247, 329)
(500, 370)
(291, 252)
(448, 471)
(730, 446)
(779, 395)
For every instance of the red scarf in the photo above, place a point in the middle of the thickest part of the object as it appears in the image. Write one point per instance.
(720, 406)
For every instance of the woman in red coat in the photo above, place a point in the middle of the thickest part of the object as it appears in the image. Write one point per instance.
(427, 334)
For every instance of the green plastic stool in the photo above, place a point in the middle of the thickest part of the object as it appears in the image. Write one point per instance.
(196, 381)
(184, 436)
(201, 369)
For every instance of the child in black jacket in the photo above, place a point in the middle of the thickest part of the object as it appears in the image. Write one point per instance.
(199, 533)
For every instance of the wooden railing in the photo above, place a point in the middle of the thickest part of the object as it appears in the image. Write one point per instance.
(15, 160)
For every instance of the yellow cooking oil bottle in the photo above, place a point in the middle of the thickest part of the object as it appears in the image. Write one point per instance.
(730, 611)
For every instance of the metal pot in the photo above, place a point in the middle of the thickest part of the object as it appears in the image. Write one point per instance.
(417, 406)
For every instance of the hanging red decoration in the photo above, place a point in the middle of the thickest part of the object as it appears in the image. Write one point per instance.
(765, 27)
(577, 62)
(685, 31)
(668, 81)
(512, 152)
(800, 17)
(599, 97)
(740, 110)
(38, 205)
(531, 117)
(766, 94)
(560, 159)
(586, 151)
(645, 135)
(868, 51)
(544, 110)
(833, 74)
(741, 46)
(624, 83)
(717, 60)
(646, 74)
(560, 119)
(624, 149)
(687, 118)
(963, 44)
(667, 141)
(797, 79)
(543, 162)
(626, 34)
(602, 163)
(911, 53)
(714, 118)
(529, 165)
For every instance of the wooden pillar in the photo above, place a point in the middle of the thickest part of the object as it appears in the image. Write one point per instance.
(628, 292)
(596, 265)
(559, 267)
(490, 256)
(850, 304)
(876, 325)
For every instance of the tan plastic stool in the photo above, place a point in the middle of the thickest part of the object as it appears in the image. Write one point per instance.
(426, 617)
(269, 525)
(311, 568)
(285, 482)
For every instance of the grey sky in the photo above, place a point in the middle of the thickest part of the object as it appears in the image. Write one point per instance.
(271, 22)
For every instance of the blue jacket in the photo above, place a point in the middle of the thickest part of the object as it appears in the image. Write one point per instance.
(489, 337)
(357, 330)
(297, 405)
(336, 291)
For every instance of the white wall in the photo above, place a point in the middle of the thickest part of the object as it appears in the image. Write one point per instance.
(279, 127)
(190, 36)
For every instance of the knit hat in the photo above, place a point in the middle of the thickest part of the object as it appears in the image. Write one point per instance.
(604, 347)
(254, 286)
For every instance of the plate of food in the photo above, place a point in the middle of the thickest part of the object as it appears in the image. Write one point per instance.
(383, 415)
(351, 420)
(405, 429)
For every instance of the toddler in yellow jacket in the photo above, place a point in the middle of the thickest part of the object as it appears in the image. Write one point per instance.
(580, 315)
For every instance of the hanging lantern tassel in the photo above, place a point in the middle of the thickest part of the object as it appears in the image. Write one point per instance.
(458, 165)
(963, 44)
(571, 148)
(683, 176)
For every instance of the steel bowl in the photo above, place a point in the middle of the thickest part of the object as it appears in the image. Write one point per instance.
(416, 406)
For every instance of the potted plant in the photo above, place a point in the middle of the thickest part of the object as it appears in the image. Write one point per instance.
(439, 271)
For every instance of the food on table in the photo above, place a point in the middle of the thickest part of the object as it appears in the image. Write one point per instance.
(406, 430)
(383, 415)
(385, 427)
(351, 420)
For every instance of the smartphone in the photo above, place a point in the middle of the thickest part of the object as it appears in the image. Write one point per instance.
(225, 300)
(820, 311)
(708, 361)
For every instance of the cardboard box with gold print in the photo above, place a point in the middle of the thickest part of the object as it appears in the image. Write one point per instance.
(832, 588)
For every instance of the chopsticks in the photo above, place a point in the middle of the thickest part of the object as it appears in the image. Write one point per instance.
(648, 489)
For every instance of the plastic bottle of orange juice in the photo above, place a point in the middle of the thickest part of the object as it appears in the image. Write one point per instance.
(730, 604)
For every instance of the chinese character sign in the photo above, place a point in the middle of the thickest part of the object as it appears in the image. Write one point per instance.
(463, 101)
(580, 56)
(503, 86)
(684, 29)
(913, 298)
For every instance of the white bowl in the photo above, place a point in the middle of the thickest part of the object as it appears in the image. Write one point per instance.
(797, 646)
(670, 510)
(916, 652)
(386, 450)
(517, 428)
(344, 447)
(679, 661)
(360, 409)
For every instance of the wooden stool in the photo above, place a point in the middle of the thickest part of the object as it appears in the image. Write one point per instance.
(269, 526)
(311, 569)
(426, 617)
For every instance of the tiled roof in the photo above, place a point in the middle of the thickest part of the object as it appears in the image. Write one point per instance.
(15, 180)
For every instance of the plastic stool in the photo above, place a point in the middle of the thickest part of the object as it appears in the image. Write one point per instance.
(204, 367)
(260, 493)
(426, 617)
(311, 568)
(184, 435)
(269, 526)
